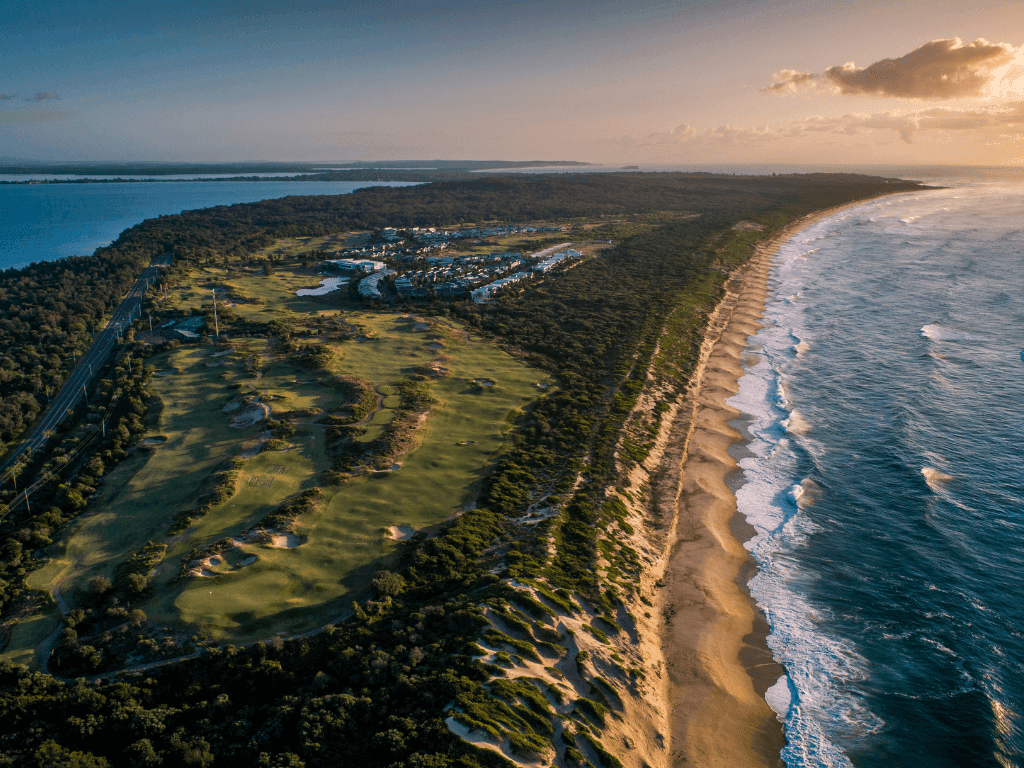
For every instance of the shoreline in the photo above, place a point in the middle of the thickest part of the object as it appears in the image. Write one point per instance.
(714, 636)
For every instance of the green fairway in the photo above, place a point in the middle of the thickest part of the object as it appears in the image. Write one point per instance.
(295, 582)
(27, 635)
(296, 589)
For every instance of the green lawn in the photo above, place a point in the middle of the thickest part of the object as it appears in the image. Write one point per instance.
(256, 590)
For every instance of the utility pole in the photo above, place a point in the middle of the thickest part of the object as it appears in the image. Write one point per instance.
(27, 507)
(85, 393)
(216, 325)
(150, 323)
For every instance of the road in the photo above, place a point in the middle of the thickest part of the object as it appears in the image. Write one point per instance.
(88, 366)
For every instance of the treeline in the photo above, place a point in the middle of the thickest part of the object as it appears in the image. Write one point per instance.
(48, 313)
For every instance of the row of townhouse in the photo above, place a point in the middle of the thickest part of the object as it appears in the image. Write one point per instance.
(369, 287)
(554, 260)
(485, 292)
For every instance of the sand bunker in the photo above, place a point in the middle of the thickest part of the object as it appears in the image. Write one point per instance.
(435, 345)
(484, 382)
(233, 406)
(247, 561)
(221, 354)
(155, 440)
(251, 416)
(421, 327)
(285, 540)
(401, 532)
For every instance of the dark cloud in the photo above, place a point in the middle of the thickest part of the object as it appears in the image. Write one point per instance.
(44, 96)
(8, 96)
(941, 69)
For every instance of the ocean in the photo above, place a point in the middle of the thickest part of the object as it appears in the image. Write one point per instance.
(51, 221)
(885, 480)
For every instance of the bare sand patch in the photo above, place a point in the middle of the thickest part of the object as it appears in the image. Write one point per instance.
(401, 532)
(286, 540)
(254, 415)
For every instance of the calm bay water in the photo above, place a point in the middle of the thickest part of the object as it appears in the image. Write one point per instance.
(887, 485)
(50, 221)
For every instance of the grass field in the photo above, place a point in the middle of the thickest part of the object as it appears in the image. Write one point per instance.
(296, 589)
(257, 590)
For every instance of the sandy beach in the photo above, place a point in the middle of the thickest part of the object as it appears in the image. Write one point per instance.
(714, 637)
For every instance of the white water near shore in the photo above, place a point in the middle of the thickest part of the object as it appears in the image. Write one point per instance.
(815, 445)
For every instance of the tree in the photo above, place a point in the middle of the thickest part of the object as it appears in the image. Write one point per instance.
(388, 584)
(98, 585)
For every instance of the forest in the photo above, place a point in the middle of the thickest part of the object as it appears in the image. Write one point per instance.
(375, 690)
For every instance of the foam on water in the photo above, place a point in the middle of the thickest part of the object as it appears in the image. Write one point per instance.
(796, 424)
(935, 479)
(848, 661)
(937, 332)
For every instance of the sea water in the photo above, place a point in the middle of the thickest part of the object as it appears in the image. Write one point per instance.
(883, 400)
(50, 221)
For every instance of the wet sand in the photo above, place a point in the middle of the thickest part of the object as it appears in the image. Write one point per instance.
(714, 637)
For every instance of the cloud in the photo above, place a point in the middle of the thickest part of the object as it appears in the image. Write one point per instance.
(8, 96)
(940, 69)
(44, 96)
(791, 81)
(1002, 122)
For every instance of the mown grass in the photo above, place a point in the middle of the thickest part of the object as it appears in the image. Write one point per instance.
(299, 588)
(26, 636)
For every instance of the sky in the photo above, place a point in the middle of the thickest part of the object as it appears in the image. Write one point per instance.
(650, 81)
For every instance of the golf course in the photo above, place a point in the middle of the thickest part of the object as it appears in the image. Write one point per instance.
(210, 407)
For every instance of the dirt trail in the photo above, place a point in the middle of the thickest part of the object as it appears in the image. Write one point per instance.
(45, 648)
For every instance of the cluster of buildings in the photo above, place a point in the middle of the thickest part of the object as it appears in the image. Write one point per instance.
(432, 272)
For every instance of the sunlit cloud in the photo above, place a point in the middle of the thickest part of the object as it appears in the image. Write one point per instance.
(1003, 122)
(940, 69)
